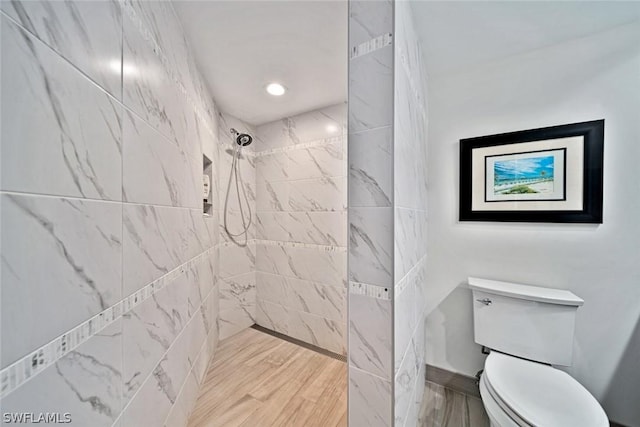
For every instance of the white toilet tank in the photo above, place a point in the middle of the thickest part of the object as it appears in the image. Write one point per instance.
(526, 321)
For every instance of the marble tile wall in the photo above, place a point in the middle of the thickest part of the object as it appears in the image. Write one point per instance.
(301, 223)
(105, 121)
(410, 220)
(387, 220)
(371, 235)
(237, 259)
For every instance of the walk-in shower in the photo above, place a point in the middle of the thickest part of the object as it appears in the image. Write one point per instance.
(235, 174)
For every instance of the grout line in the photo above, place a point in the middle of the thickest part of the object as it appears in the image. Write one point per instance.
(93, 200)
(302, 145)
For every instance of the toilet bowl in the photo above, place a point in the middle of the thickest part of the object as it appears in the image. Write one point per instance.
(529, 330)
(518, 392)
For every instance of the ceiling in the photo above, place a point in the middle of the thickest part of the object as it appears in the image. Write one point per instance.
(241, 46)
(458, 34)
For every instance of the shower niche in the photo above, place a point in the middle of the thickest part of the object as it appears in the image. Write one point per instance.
(207, 181)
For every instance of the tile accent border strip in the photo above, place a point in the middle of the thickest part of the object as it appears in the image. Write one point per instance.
(373, 291)
(310, 144)
(325, 248)
(283, 244)
(371, 45)
(19, 372)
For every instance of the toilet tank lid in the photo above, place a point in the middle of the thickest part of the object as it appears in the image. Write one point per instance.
(526, 292)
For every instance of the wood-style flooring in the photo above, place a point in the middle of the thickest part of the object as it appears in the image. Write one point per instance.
(257, 380)
(443, 407)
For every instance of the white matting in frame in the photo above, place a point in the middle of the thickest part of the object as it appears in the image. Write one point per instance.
(564, 193)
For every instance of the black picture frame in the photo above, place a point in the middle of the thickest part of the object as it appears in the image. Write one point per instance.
(592, 133)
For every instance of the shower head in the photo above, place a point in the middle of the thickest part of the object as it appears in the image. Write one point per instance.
(242, 139)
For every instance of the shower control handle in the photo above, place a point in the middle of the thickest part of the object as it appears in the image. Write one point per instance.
(485, 301)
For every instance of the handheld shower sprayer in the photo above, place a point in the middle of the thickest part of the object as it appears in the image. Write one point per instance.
(241, 140)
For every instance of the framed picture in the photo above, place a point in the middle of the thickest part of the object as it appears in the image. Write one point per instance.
(551, 174)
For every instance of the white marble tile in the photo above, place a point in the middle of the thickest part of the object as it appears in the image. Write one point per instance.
(237, 292)
(214, 337)
(316, 162)
(368, 20)
(322, 228)
(273, 167)
(200, 235)
(196, 333)
(48, 266)
(325, 333)
(151, 404)
(410, 176)
(411, 418)
(410, 240)
(157, 171)
(199, 281)
(86, 34)
(318, 124)
(148, 332)
(273, 316)
(371, 90)
(370, 332)
(371, 168)
(237, 304)
(273, 135)
(272, 288)
(151, 92)
(75, 149)
(86, 383)
(156, 240)
(405, 380)
(179, 414)
(316, 298)
(419, 342)
(201, 364)
(370, 400)
(273, 226)
(404, 322)
(272, 196)
(172, 370)
(303, 263)
(323, 194)
(371, 245)
(236, 260)
(420, 289)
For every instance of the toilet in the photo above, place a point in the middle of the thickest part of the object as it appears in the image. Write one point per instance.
(529, 330)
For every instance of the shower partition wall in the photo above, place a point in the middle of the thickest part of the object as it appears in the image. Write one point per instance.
(387, 215)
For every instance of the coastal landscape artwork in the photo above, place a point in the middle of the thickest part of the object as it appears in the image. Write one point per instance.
(525, 176)
(547, 174)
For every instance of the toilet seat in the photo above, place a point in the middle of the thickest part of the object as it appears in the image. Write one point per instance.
(534, 394)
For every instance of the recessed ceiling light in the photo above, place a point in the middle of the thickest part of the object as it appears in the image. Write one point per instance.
(275, 89)
(331, 128)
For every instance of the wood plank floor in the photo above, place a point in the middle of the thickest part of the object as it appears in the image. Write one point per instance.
(443, 407)
(257, 380)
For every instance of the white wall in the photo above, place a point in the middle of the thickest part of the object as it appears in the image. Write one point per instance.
(584, 79)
